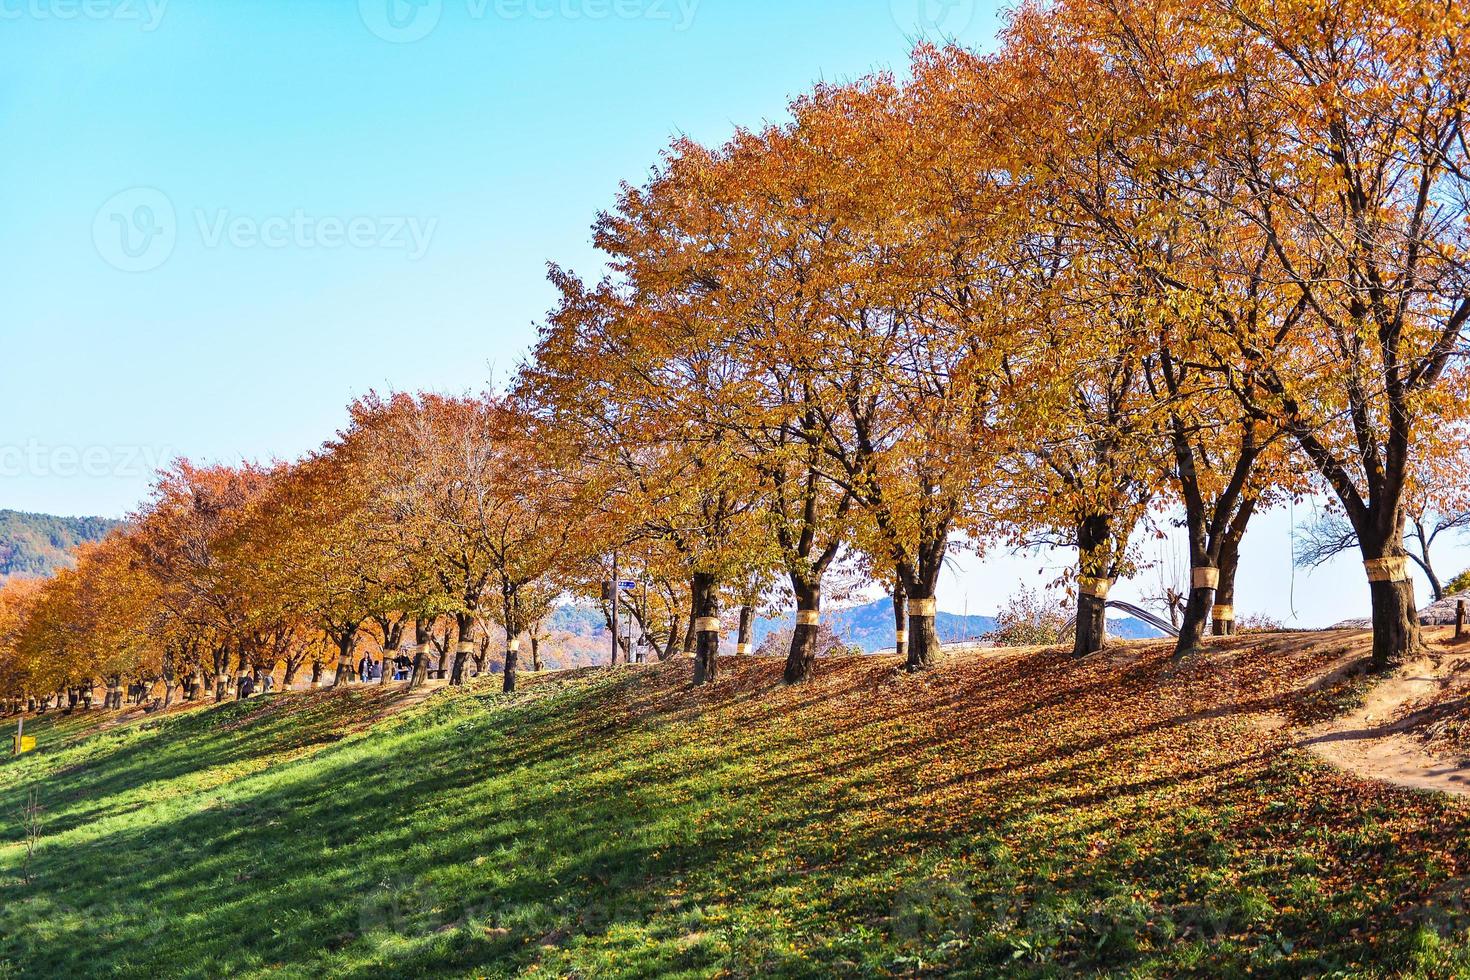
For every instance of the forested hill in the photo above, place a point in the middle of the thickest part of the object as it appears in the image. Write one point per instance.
(38, 544)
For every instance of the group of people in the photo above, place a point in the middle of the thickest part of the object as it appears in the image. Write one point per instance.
(247, 686)
(369, 670)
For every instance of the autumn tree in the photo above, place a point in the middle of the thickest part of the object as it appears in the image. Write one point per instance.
(604, 383)
(18, 598)
(177, 540)
(1333, 133)
(306, 550)
(740, 234)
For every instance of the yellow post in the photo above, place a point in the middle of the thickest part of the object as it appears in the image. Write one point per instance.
(23, 742)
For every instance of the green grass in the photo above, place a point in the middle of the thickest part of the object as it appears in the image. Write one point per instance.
(1026, 817)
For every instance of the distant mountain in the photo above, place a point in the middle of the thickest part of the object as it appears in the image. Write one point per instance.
(39, 544)
(869, 627)
(1132, 629)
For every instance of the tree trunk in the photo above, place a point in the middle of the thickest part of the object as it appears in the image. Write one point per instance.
(918, 580)
(803, 654)
(536, 652)
(744, 646)
(392, 641)
(691, 637)
(1092, 618)
(510, 606)
(423, 639)
(221, 662)
(1435, 585)
(1094, 538)
(462, 649)
(900, 622)
(1204, 585)
(707, 628)
(1223, 614)
(923, 638)
(1395, 613)
(512, 661)
(345, 671)
(672, 644)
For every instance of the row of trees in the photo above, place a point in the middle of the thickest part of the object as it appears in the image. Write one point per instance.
(1166, 260)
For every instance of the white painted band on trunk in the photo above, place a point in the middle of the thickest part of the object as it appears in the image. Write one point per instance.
(1387, 569)
(707, 624)
(1206, 578)
(922, 607)
(466, 646)
(513, 646)
(743, 649)
(1098, 588)
(808, 617)
(1225, 614)
(902, 636)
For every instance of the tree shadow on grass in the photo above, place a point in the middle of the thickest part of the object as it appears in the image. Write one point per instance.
(124, 768)
(622, 823)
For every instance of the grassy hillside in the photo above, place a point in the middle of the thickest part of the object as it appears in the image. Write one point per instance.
(38, 544)
(1021, 816)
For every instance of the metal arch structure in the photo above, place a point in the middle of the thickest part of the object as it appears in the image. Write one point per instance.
(1162, 625)
(1143, 615)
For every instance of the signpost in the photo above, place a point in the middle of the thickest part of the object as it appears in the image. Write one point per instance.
(23, 742)
(611, 589)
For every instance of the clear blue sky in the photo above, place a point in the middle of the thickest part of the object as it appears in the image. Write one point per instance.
(224, 220)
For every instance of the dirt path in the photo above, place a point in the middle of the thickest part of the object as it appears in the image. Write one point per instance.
(1381, 740)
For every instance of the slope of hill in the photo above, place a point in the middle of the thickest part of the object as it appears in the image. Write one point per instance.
(1021, 814)
(38, 544)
